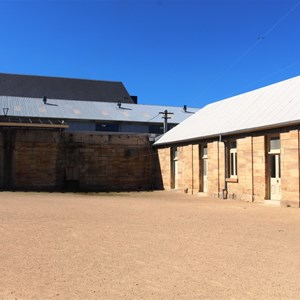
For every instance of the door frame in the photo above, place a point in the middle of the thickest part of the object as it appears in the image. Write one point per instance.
(203, 159)
(174, 167)
(277, 165)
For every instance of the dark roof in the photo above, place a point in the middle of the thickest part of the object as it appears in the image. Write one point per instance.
(63, 88)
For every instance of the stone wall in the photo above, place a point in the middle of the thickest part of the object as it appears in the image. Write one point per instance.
(164, 155)
(213, 168)
(259, 168)
(252, 182)
(290, 169)
(1, 160)
(196, 169)
(185, 168)
(243, 187)
(47, 160)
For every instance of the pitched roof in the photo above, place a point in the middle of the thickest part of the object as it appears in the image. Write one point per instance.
(63, 88)
(272, 106)
(89, 110)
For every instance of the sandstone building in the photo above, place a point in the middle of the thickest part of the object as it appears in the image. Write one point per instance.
(244, 147)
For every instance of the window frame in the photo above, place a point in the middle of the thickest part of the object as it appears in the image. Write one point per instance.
(232, 159)
(204, 155)
(275, 150)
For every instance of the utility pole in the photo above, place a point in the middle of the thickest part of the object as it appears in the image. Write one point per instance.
(166, 117)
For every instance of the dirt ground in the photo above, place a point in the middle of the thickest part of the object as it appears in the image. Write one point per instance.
(155, 245)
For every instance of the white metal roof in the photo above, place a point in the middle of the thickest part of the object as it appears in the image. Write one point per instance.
(90, 110)
(271, 106)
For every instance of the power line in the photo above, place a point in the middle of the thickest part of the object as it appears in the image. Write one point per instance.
(259, 39)
(281, 19)
(279, 71)
(153, 118)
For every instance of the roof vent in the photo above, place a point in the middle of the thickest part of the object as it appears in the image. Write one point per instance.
(5, 111)
(119, 104)
(184, 108)
(45, 99)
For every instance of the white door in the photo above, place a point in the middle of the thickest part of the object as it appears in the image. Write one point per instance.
(275, 180)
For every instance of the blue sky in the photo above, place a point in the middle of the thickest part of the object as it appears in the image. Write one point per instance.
(165, 52)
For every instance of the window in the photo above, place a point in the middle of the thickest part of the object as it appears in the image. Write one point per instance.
(232, 159)
(159, 129)
(204, 151)
(274, 157)
(109, 127)
(274, 145)
(175, 153)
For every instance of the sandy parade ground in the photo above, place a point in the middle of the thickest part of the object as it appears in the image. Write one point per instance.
(147, 245)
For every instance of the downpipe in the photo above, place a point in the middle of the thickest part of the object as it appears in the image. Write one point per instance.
(224, 190)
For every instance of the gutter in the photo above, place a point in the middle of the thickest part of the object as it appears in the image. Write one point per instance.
(246, 130)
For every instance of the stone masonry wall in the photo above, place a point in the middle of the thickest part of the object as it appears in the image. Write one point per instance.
(213, 169)
(252, 182)
(243, 188)
(184, 177)
(164, 155)
(187, 179)
(196, 169)
(188, 169)
(35, 158)
(259, 168)
(46, 160)
(1, 160)
(290, 178)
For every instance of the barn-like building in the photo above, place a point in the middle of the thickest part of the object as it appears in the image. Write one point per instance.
(80, 105)
(73, 134)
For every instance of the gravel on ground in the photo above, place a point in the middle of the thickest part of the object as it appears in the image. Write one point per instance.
(146, 245)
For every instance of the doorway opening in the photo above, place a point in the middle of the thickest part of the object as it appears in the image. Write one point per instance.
(203, 168)
(174, 167)
(274, 168)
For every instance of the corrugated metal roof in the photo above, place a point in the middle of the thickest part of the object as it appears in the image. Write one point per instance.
(90, 110)
(271, 106)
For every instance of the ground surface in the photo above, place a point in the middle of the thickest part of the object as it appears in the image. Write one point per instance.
(159, 245)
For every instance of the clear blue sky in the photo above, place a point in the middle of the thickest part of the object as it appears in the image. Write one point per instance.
(169, 52)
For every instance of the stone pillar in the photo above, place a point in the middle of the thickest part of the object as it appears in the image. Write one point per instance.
(164, 156)
(213, 169)
(188, 159)
(221, 173)
(188, 168)
(245, 168)
(1, 160)
(259, 169)
(196, 169)
(290, 169)
(180, 182)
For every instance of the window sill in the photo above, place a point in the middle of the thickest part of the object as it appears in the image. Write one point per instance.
(233, 180)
